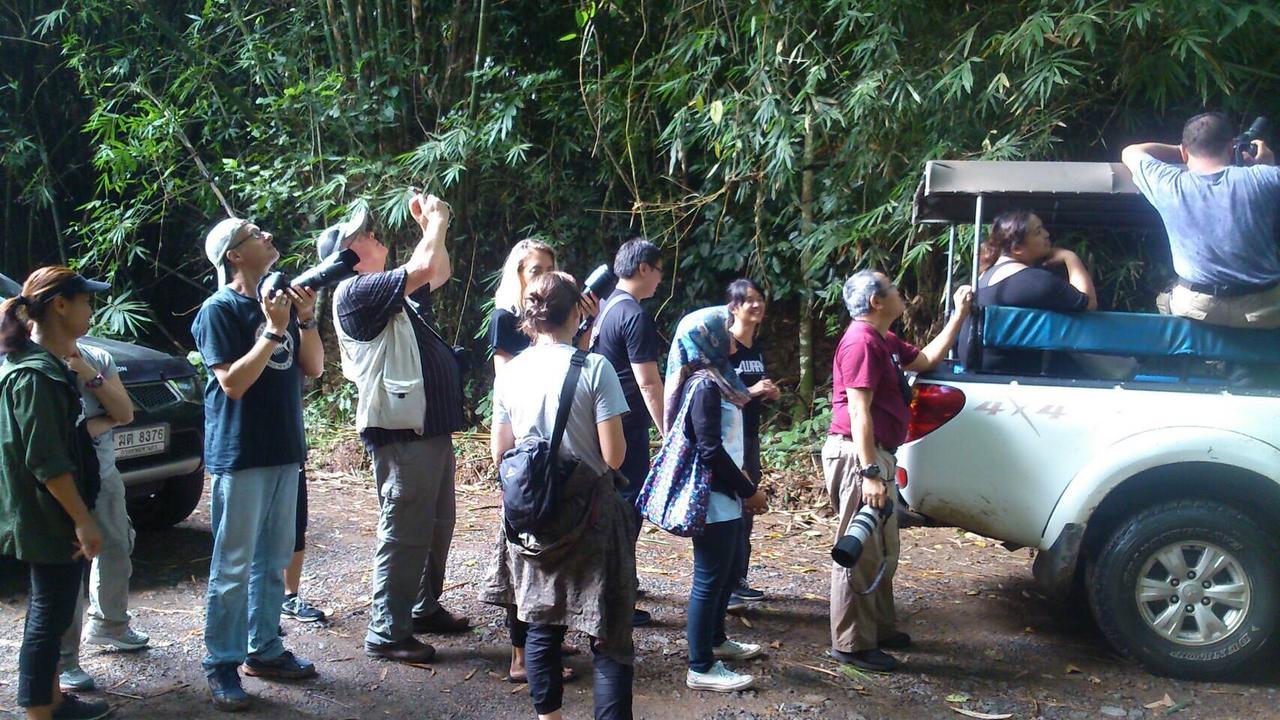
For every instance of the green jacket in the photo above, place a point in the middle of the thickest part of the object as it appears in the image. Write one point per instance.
(42, 436)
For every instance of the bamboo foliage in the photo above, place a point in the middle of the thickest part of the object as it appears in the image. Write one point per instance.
(778, 138)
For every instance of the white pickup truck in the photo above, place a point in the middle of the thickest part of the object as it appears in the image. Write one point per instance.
(1156, 494)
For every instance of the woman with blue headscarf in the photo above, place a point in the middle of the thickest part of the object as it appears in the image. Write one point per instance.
(700, 376)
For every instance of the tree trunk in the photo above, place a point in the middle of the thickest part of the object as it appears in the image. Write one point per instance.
(804, 389)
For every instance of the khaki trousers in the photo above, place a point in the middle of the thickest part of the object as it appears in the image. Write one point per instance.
(1256, 311)
(859, 622)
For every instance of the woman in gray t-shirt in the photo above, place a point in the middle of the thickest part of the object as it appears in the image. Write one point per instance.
(584, 582)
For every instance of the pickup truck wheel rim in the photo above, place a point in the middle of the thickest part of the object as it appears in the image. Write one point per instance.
(1193, 593)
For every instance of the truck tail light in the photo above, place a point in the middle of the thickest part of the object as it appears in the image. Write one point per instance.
(902, 477)
(932, 407)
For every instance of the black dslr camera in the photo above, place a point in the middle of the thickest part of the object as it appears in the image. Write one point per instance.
(1243, 146)
(332, 270)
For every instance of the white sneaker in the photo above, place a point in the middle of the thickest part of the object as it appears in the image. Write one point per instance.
(718, 679)
(734, 650)
(74, 679)
(130, 639)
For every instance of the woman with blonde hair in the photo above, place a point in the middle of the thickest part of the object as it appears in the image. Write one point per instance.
(49, 477)
(526, 261)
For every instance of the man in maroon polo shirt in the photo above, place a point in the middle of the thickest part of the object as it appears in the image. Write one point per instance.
(870, 410)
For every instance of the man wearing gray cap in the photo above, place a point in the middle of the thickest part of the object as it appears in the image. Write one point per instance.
(257, 351)
(410, 401)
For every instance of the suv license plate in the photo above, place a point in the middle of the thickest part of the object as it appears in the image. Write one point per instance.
(135, 442)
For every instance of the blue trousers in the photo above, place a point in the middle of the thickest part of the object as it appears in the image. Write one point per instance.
(55, 590)
(715, 566)
(612, 679)
(254, 512)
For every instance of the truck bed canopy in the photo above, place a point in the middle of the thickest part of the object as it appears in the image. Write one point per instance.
(1063, 194)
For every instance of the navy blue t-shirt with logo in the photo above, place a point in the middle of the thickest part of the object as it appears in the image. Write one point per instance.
(748, 362)
(263, 428)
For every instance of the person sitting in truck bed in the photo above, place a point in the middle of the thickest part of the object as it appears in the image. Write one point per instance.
(1017, 262)
(1221, 221)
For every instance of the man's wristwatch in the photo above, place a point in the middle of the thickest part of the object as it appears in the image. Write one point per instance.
(307, 324)
(871, 471)
(273, 336)
(95, 382)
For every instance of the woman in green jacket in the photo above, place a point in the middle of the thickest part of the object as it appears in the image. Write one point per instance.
(48, 475)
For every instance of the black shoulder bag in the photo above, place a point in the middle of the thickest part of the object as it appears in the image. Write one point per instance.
(530, 472)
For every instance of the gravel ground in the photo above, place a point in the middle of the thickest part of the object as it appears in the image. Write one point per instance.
(987, 643)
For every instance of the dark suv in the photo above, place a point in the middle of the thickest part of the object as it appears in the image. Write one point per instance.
(161, 453)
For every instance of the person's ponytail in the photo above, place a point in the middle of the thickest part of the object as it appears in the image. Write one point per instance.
(14, 333)
(548, 301)
(18, 313)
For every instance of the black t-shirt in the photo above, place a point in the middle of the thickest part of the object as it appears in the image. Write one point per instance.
(366, 303)
(1031, 288)
(628, 335)
(504, 333)
(264, 427)
(749, 364)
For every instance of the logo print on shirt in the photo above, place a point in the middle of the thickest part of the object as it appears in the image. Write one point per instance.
(282, 358)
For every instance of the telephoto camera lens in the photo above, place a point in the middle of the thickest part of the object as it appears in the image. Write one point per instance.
(601, 282)
(866, 521)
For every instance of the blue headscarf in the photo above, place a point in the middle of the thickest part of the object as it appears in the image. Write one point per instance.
(701, 348)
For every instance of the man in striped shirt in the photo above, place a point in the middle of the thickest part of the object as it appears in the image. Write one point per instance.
(413, 461)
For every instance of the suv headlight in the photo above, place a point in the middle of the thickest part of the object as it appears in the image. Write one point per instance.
(187, 387)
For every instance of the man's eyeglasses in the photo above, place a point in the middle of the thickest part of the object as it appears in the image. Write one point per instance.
(254, 234)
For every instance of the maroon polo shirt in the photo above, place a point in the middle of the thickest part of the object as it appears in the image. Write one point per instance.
(865, 360)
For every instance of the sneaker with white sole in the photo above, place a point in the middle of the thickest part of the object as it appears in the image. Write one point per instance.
(734, 650)
(718, 679)
(129, 639)
(73, 678)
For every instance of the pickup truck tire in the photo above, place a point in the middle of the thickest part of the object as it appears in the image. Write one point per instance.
(1188, 588)
(170, 505)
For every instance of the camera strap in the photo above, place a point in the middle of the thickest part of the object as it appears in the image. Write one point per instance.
(599, 322)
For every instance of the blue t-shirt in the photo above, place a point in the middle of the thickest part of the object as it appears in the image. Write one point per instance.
(263, 428)
(1222, 225)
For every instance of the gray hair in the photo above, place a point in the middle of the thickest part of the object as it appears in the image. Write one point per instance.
(858, 291)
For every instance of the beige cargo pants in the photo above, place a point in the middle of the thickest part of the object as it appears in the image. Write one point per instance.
(859, 622)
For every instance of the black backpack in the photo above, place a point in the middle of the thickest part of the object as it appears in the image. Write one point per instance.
(529, 472)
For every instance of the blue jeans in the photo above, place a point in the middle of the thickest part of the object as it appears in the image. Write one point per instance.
(715, 561)
(253, 524)
(611, 679)
(55, 591)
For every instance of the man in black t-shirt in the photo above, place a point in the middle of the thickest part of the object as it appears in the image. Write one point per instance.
(410, 402)
(257, 351)
(626, 335)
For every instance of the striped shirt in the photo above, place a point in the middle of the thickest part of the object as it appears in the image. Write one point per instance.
(365, 305)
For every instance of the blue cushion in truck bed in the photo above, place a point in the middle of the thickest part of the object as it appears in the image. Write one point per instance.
(1132, 334)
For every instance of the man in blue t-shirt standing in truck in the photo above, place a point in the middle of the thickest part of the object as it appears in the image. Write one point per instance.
(257, 351)
(1221, 220)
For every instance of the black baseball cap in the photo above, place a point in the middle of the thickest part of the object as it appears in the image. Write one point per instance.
(78, 284)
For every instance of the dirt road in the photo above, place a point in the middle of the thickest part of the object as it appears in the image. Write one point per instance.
(985, 640)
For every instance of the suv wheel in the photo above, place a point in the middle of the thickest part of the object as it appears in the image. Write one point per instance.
(170, 505)
(1187, 588)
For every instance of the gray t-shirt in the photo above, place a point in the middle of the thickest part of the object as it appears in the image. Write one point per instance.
(104, 444)
(1222, 225)
(526, 396)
